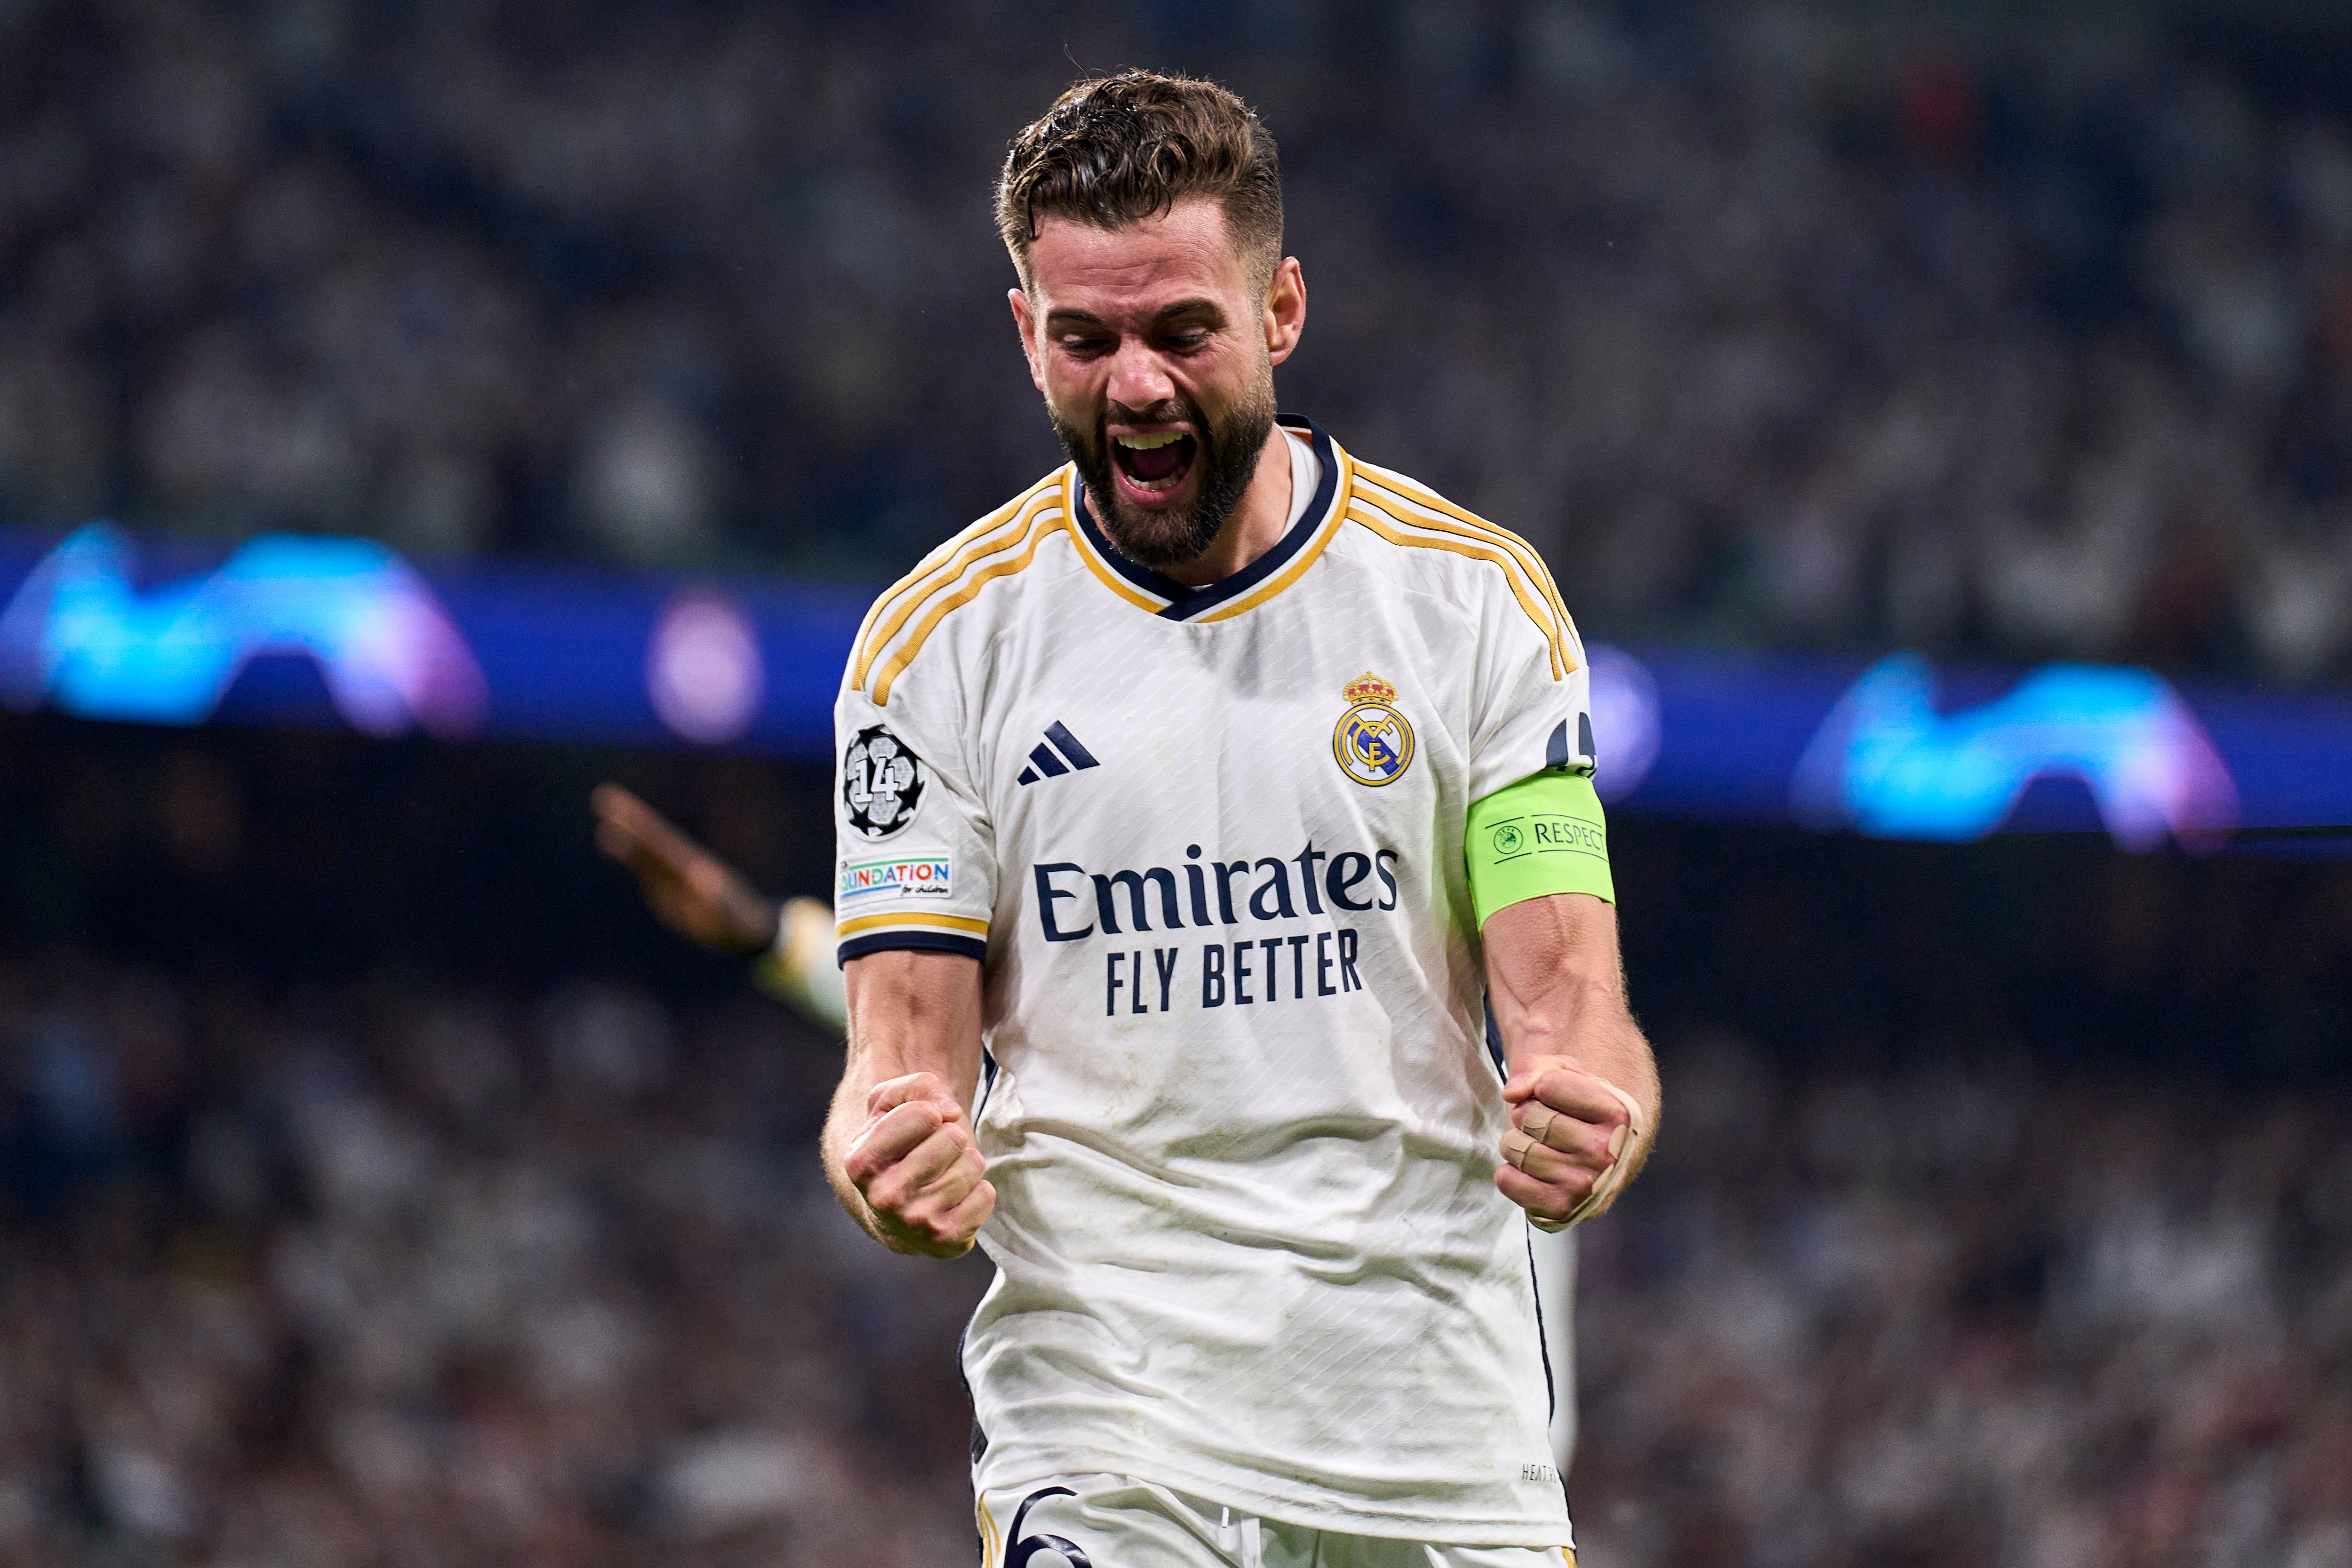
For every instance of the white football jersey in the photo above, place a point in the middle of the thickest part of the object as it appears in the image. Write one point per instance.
(1241, 1110)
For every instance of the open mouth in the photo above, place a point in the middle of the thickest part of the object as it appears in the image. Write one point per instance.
(1157, 463)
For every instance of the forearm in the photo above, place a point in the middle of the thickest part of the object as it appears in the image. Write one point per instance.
(910, 1014)
(1558, 988)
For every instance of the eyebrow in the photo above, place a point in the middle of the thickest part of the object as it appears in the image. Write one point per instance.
(1062, 318)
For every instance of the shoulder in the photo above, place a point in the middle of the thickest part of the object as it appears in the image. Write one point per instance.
(1412, 529)
(1001, 544)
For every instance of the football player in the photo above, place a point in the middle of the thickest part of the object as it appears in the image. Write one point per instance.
(1226, 917)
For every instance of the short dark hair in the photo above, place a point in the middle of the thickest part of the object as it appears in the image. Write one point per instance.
(1115, 149)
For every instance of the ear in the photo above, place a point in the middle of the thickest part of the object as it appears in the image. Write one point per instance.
(1027, 325)
(1285, 310)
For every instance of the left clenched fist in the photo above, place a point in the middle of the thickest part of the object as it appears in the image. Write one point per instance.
(1563, 1155)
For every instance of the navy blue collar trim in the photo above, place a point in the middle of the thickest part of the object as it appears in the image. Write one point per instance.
(1184, 603)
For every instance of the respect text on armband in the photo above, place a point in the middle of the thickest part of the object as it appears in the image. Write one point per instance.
(1318, 887)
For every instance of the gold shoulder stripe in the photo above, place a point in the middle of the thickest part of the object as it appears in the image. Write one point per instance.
(941, 568)
(981, 544)
(1403, 509)
(938, 556)
(1044, 525)
(1391, 530)
(919, 917)
(1420, 497)
(1307, 557)
(1413, 493)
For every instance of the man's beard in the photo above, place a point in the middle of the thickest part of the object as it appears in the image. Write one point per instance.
(1224, 463)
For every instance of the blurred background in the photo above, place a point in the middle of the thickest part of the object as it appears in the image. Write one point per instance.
(380, 1185)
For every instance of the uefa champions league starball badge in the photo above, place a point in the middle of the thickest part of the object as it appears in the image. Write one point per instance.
(1373, 743)
(881, 784)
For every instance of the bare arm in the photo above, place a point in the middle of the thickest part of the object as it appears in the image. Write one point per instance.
(689, 889)
(1558, 986)
(899, 1146)
(707, 901)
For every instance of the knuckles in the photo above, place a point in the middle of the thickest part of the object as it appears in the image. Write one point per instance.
(893, 1190)
(1572, 1132)
(937, 1229)
(913, 1088)
(887, 1192)
(914, 1183)
(883, 1176)
(1570, 1082)
(1570, 1137)
(1575, 1181)
(891, 1139)
(1553, 1200)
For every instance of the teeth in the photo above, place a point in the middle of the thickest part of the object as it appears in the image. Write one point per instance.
(1146, 443)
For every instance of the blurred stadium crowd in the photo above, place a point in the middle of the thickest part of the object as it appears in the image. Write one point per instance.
(1943, 1317)
(394, 1278)
(389, 1275)
(1790, 323)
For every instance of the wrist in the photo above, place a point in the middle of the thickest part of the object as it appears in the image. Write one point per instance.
(797, 966)
(754, 922)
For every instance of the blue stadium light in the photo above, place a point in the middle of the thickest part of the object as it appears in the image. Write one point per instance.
(1891, 748)
(79, 633)
(1888, 764)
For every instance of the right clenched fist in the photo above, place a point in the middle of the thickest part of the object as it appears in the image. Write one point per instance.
(918, 1169)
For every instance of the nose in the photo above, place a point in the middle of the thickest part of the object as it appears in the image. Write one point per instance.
(1139, 380)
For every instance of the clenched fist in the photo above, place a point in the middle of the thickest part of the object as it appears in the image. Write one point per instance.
(918, 1169)
(1566, 1152)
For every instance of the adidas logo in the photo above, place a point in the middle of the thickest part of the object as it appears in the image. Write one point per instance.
(1046, 760)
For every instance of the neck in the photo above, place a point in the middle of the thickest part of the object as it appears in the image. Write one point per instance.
(1257, 525)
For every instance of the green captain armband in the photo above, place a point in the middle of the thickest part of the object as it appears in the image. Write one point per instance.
(1541, 835)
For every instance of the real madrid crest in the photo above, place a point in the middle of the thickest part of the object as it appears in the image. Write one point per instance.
(1372, 742)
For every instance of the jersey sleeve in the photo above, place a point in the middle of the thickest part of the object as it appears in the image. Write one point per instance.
(1533, 698)
(915, 858)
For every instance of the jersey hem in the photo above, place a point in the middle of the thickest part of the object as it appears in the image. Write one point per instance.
(1223, 1492)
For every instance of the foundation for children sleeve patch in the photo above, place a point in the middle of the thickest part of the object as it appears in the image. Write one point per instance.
(926, 873)
(1544, 835)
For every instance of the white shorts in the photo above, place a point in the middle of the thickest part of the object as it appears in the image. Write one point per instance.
(1120, 1521)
